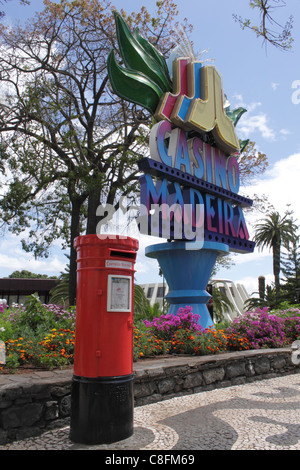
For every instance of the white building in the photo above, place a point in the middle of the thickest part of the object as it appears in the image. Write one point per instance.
(236, 293)
(155, 292)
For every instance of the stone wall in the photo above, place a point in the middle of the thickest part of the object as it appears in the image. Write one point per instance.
(33, 403)
(30, 404)
(197, 374)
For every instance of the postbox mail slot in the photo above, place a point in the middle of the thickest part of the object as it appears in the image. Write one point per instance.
(123, 254)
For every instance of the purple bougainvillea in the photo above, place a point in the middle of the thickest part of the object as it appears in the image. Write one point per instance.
(166, 325)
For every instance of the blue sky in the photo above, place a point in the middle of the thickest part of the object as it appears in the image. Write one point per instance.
(260, 79)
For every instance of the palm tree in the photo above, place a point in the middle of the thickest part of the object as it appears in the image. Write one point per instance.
(274, 232)
(60, 293)
(221, 303)
(140, 303)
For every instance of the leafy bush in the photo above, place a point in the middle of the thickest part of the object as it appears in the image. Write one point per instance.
(6, 330)
(182, 334)
(253, 330)
(165, 326)
(56, 349)
(146, 344)
(62, 316)
(39, 334)
(33, 315)
(291, 322)
(44, 336)
(264, 329)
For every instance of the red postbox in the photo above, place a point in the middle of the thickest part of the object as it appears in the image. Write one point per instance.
(102, 386)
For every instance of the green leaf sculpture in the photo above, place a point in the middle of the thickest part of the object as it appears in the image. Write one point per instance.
(144, 77)
(235, 114)
(243, 145)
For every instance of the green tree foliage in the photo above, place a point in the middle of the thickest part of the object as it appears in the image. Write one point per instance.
(141, 304)
(252, 163)
(70, 142)
(60, 293)
(221, 303)
(290, 289)
(24, 274)
(275, 232)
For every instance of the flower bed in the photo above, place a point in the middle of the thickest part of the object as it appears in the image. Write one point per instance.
(265, 329)
(44, 335)
(181, 334)
(37, 334)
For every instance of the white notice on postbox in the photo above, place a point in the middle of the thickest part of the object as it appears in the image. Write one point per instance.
(119, 294)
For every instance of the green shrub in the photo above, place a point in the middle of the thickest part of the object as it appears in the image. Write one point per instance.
(39, 334)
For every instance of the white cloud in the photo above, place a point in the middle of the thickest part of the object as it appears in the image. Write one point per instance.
(238, 98)
(248, 125)
(274, 86)
(285, 132)
(252, 106)
(254, 257)
(281, 185)
(239, 102)
(147, 269)
(251, 123)
(13, 258)
(251, 283)
(49, 266)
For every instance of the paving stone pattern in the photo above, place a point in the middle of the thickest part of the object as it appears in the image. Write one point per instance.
(263, 415)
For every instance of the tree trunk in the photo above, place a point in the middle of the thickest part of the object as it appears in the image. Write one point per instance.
(93, 203)
(75, 232)
(262, 287)
(276, 266)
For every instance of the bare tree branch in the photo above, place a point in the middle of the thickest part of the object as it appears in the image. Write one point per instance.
(271, 31)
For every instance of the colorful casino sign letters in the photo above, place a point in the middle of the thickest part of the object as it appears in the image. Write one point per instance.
(190, 185)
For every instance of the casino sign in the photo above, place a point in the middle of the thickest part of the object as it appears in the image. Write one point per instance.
(190, 185)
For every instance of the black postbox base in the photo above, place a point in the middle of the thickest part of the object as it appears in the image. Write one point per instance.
(101, 409)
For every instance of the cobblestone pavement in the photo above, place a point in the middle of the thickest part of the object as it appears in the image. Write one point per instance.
(263, 415)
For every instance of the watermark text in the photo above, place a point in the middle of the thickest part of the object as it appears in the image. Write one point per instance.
(176, 222)
(296, 93)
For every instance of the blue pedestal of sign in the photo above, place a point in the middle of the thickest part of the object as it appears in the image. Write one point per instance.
(187, 267)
